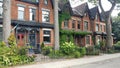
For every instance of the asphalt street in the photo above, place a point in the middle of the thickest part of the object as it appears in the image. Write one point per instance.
(112, 63)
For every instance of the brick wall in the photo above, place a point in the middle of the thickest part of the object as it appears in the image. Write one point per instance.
(38, 18)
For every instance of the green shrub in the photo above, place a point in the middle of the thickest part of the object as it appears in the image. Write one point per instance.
(91, 50)
(82, 50)
(56, 54)
(118, 43)
(47, 50)
(42, 45)
(77, 54)
(22, 51)
(68, 48)
(12, 40)
(13, 55)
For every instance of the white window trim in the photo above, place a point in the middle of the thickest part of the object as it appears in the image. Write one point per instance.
(45, 9)
(46, 29)
(46, 35)
(21, 5)
(49, 14)
(1, 25)
(31, 7)
(23, 11)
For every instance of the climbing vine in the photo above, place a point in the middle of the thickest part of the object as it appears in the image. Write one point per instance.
(63, 16)
(68, 32)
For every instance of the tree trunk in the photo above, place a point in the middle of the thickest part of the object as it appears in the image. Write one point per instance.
(109, 32)
(56, 25)
(6, 20)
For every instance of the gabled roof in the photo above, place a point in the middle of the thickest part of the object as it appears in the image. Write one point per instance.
(80, 9)
(93, 12)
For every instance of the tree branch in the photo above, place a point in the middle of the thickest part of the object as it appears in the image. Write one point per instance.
(100, 4)
(113, 5)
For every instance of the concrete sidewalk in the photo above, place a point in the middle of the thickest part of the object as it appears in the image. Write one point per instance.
(72, 62)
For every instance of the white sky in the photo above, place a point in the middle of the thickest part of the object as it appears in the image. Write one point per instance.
(105, 3)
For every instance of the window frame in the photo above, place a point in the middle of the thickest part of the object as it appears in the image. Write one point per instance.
(97, 27)
(66, 23)
(33, 12)
(47, 35)
(46, 14)
(86, 26)
(21, 10)
(87, 40)
(73, 24)
(79, 24)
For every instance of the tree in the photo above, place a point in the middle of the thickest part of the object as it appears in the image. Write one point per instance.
(107, 16)
(56, 25)
(116, 27)
(6, 20)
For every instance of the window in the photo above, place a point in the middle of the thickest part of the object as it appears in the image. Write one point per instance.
(100, 27)
(66, 24)
(46, 37)
(1, 33)
(85, 25)
(45, 16)
(45, 2)
(104, 28)
(1, 9)
(87, 39)
(96, 17)
(32, 14)
(97, 27)
(73, 24)
(78, 25)
(21, 13)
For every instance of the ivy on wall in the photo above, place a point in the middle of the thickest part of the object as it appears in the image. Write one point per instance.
(68, 32)
(63, 16)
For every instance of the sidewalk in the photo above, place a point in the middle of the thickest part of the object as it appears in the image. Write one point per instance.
(72, 62)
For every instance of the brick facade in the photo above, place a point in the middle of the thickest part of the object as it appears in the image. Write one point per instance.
(28, 30)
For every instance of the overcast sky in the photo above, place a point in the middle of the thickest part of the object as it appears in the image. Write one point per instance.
(105, 3)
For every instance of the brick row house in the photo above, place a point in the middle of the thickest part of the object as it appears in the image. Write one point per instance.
(84, 19)
(34, 22)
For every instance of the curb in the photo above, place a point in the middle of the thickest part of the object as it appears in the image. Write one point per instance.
(73, 62)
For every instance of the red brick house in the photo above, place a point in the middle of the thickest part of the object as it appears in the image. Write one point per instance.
(79, 22)
(34, 22)
(88, 20)
(98, 25)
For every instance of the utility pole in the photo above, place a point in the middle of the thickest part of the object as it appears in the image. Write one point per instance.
(6, 20)
(56, 25)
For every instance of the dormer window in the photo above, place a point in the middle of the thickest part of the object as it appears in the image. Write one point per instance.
(45, 2)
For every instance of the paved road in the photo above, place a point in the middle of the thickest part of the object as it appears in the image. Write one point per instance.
(112, 63)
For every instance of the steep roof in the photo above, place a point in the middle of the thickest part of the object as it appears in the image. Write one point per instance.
(93, 12)
(80, 9)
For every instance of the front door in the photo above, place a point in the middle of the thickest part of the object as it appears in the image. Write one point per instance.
(32, 40)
